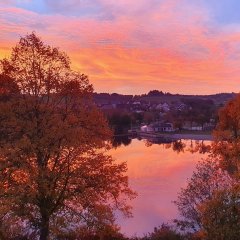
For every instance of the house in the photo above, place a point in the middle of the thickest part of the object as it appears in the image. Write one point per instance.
(136, 103)
(163, 107)
(108, 106)
(157, 127)
(192, 126)
(210, 125)
(180, 107)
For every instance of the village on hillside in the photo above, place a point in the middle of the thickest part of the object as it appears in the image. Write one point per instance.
(158, 112)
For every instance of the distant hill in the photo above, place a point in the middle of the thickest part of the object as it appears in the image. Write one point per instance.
(156, 96)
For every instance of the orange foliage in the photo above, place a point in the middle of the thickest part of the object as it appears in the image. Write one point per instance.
(227, 137)
(53, 145)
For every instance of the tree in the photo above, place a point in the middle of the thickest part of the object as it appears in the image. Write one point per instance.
(164, 232)
(210, 202)
(199, 110)
(220, 215)
(8, 87)
(54, 170)
(155, 93)
(120, 122)
(229, 121)
(227, 137)
(206, 179)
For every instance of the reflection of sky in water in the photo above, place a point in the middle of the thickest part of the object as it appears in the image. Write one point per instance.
(157, 173)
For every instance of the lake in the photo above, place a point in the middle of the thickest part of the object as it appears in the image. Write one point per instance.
(156, 172)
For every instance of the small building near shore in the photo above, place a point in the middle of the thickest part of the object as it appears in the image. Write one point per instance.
(163, 107)
(158, 127)
(192, 126)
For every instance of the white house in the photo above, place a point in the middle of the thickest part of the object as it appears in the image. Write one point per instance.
(163, 107)
(158, 127)
(193, 126)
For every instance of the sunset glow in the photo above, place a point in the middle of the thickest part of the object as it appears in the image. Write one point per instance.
(133, 46)
(120, 119)
(157, 173)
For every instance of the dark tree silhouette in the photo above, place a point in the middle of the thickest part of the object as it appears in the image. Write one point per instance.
(54, 170)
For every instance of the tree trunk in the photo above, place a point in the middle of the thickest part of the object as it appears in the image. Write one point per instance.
(44, 228)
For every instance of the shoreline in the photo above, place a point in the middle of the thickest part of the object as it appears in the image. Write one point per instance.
(186, 136)
(172, 136)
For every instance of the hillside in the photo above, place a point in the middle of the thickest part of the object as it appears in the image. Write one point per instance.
(156, 96)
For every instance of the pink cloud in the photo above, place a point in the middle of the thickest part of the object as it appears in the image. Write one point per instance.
(169, 45)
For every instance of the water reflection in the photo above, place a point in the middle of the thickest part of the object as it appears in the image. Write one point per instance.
(178, 146)
(157, 171)
(118, 141)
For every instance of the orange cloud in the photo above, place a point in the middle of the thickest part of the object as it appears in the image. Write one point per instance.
(171, 46)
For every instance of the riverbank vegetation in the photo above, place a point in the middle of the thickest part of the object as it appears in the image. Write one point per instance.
(209, 205)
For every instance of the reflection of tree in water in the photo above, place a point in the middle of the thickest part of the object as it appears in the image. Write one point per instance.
(199, 147)
(118, 141)
(202, 148)
(179, 146)
(191, 148)
(176, 145)
(195, 146)
(159, 141)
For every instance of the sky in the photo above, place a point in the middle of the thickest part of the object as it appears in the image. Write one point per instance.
(133, 46)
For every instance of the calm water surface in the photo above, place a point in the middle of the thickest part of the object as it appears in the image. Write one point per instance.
(157, 173)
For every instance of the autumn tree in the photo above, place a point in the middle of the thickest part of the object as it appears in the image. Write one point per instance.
(206, 179)
(220, 215)
(8, 87)
(227, 137)
(229, 120)
(210, 202)
(164, 232)
(55, 173)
